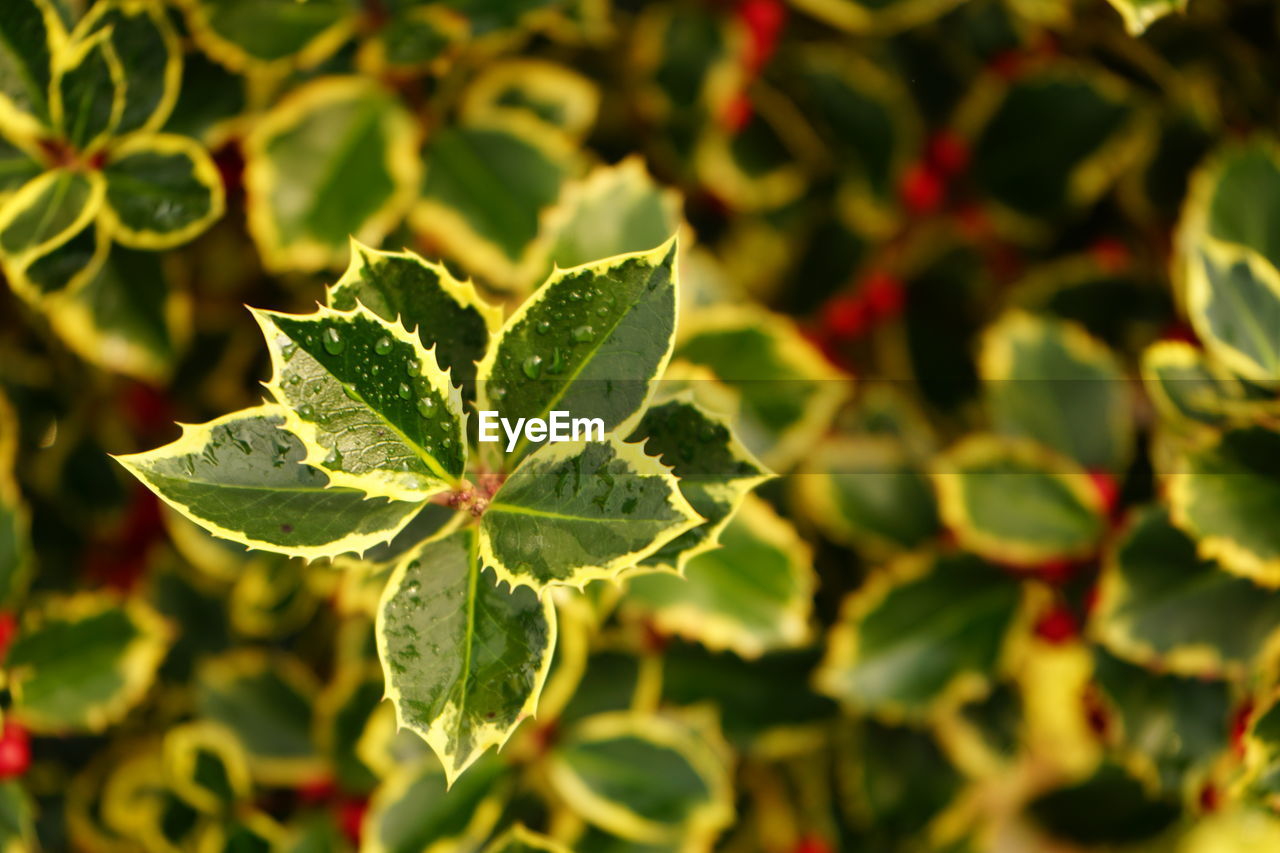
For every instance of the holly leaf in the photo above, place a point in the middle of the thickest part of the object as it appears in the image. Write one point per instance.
(1185, 385)
(266, 700)
(919, 634)
(578, 511)
(30, 33)
(751, 595)
(1048, 380)
(1222, 495)
(543, 96)
(1162, 606)
(464, 658)
(446, 313)
(17, 557)
(642, 777)
(81, 662)
(482, 193)
(62, 269)
(789, 391)
(371, 405)
(1110, 807)
(206, 766)
(17, 818)
(520, 839)
(715, 472)
(298, 215)
(1140, 14)
(48, 212)
(88, 91)
(162, 190)
(865, 492)
(416, 809)
(19, 162)
(242, 477)
(860, 16)
(592, 339)
(150, 58)
(1233, 296)
(1016, 502)
(258, 34)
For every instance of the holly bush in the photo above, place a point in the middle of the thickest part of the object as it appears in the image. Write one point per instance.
(891, 414)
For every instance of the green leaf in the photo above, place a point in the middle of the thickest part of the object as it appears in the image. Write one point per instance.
(1185, 386)
(535, 94)
(464, 658)
(592, 338)
(1016, 502)
(1110, 807)
(30, 32)
(417, 810)
(344, 712)
(1223, 495)
(62, 269)
(642, 777)
(266, 700)
(88, 91)
(371, 405)
(751, 595)
(17, 818)
(1233, 297)
(47, 212)
(206, 766)
(1085, 126)
(715, 472)
(1262, 750)
(18, 164)
(612, 211)
(867, 16)
(150, 59)
(482, 194)
(521, 839)
(446, 313)
(248, 34)
(17, 557)
(416, 39)
(1048, 380)
(789, 391)
(1162, 606)
(1170, 726)
(921, 633)
(1140, 14)
(1231, 199)
(865, 491)
(337, 157)
(242, 477)
(81, 662)
(126, 316)
(578, 511)
(162, 190)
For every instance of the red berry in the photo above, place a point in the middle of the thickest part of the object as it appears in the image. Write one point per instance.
(1057, 626)
(351, 818)
(1210, 798)
(15, 750)
(812, 844)
(1180, 332)
(1110, 254)
(1108, 490)
(846, 317)
(8, 630)
(884, 295)
(764, 20)
(948, 153)
(1056, 572)
(316, 790)
(737, 113)
(922, 189)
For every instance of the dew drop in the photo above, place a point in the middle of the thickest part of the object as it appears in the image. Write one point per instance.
(584, 334)
(532, 366)
(574, 296)
(426, 406)
(295, 379)
(333, 343)
(707, 433)
(383, 346)
(412, 366)
(288, 350)
(497, 393)
(351, 392)
(404, 391)
(602, 311)
(307, 411)
(542, 327)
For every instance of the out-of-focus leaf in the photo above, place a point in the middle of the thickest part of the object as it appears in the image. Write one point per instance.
(162, 190)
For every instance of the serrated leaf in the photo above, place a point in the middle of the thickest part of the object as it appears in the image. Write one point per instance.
(88, 91)
(299, 216)
(1017, 502)
(1160, 605)
(715, 472)
(580, 511)
(643, 777)
(30, 33)
(751, 595)
(921, 633)
(464, 658)
(372, 406)
(17, 556)
(447, 314)
(242, 477)
(865, 491)
(80, 662)
(521, 839)
(205, 765)
(417, 809)
(119, 311)
(162, 190)
(592, 339)
(1048, 380)
(250, 34)
(1140, 14)
(1223, 494)
(266, 700)
(789, 391)
(150, 59)
(481, 195)
(47, 212)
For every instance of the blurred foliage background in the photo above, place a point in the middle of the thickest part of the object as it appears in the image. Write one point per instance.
(1010, 267)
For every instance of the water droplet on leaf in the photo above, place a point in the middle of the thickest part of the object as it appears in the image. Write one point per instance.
(584, 334)
(404, 391)
(532, 366)
(383, 346)
(333, 343)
